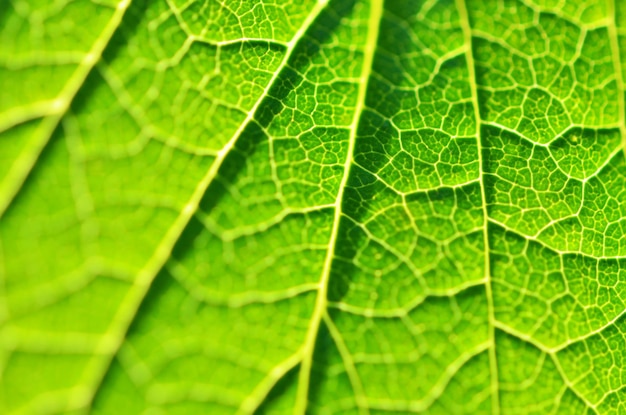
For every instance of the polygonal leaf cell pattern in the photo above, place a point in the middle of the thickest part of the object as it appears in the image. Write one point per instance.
(275, 207)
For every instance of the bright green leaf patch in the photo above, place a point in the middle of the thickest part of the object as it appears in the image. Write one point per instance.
(356, 207)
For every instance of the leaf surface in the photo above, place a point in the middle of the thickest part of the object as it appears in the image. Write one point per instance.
(355, 206)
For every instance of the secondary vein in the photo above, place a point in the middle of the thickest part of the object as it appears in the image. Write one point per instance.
(321, 304)
(469, 57)
(142, 283)
(617, 65)
(23, 165)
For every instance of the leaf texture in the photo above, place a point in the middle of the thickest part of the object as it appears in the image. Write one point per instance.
(348, 207)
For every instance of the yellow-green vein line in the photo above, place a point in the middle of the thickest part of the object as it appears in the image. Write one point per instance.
(127, 311)
(376, 11)
(469, 57)
(617, 65)
(59, 107)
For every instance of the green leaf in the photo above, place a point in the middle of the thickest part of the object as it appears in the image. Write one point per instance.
(279, 207)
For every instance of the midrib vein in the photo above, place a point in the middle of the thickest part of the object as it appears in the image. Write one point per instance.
(469, 57)
(25, 162)
(321, 304)
(128, 310)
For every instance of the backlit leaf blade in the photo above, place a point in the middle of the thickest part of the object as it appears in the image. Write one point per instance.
(357, 207)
